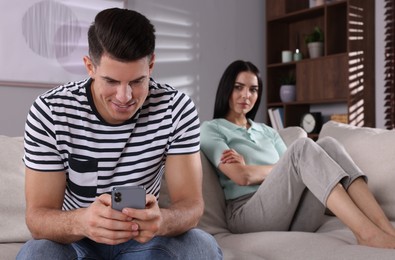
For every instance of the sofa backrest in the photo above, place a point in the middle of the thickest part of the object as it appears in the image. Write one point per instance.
(12, 200)
(213, 219)
(12, 195)
(373, 150)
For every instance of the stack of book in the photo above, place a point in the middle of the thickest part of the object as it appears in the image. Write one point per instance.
(276, 116)
(341, 118)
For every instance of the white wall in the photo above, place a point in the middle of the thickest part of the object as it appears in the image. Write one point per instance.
(212, 33)
(14, 106)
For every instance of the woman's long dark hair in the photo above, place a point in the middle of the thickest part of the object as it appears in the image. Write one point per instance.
(227, 83)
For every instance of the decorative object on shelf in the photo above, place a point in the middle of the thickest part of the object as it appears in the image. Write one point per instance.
(314, 3)
(286, 56)
(315, 43)
(288, 88)
(298, 55)
(341, 118)
(287, 93)
(311, 122)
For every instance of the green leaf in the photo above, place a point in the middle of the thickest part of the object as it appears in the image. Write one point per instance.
(315, 36)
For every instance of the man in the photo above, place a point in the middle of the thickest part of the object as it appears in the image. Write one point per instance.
(117, 128)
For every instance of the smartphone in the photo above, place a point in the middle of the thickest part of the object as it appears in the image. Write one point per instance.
(128, 197)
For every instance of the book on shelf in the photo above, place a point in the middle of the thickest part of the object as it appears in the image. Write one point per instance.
(271, 117)
(276, 116)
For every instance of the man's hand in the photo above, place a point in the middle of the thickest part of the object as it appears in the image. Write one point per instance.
(105, 225)
(148, 220)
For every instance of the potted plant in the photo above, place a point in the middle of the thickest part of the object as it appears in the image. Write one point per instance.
(288, 88)
(315, 43)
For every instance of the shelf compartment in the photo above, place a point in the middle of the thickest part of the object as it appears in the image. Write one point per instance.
(327, 82)
(275, 73)
(291, 10)
(336, 29)
(322, 79)
(292, 113)
(290, 35)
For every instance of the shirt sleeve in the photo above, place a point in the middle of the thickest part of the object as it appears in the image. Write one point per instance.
(186, 134)
(41, 153)
(213, 142)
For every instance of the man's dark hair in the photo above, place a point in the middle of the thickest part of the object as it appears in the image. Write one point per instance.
(227, 83)
(123, 34)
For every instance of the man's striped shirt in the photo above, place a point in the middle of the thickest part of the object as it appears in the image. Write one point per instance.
(65, 133)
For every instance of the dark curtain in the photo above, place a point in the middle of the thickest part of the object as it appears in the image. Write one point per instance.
(389, 97)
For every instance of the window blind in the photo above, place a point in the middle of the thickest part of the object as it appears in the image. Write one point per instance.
(361, 102)
(389, 70)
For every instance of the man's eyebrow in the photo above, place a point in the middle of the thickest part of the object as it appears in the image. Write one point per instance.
(139, 78)
(109, 78)
(134, 80)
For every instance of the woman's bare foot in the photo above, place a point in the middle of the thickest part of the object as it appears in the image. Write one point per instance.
(388, 228)
(379, 239)
(391, 232)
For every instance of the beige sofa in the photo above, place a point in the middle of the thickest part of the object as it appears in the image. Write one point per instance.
(372, 149)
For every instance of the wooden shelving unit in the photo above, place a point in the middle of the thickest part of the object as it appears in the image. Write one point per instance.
(343, 75)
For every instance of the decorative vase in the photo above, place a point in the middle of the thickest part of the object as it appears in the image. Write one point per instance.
(314, 3)
(287, 93)
(316, 49)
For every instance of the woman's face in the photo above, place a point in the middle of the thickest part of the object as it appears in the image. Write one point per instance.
(244, 94)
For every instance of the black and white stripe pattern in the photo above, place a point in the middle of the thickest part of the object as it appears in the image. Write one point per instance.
(64, 133)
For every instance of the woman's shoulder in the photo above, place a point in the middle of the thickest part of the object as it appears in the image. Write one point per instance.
(211, 122)
(218, 124)
(262, 126)
(210, 125)
(265, 129)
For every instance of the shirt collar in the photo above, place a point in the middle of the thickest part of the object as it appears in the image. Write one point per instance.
(233, 126)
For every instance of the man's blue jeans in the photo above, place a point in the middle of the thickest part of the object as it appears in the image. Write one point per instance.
(194, 244)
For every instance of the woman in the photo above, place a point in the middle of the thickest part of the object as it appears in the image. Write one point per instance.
(270, 187)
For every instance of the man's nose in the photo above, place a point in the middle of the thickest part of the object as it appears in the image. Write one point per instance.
(124, 93)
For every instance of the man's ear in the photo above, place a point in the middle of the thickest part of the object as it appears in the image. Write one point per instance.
(89, 66)
(151, 63)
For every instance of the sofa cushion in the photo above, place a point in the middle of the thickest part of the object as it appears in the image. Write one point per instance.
(12, 195)
(373, 150)
(333, 242)
(9, 250)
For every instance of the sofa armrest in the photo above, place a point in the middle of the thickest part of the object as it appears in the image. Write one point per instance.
(372, 149)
